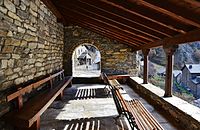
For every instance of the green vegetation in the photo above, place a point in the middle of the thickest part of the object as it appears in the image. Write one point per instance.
(182, 89)
(158, 81)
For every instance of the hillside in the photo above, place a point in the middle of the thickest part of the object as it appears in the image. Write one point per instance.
(186, 53)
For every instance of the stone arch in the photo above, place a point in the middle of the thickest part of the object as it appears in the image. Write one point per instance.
(86, 67)
(84, 41)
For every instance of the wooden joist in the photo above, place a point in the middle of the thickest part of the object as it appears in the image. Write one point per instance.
(142, 24)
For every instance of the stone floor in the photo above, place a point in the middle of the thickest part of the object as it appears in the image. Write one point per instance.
(88, 107)
(86, 73)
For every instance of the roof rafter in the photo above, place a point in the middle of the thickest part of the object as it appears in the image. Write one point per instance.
(107, 33)
(92, 6)
(166, 12)
(122, 6)
(109, 25)
(179, 7)
(111, 18)
(113, 31)
(125, 15)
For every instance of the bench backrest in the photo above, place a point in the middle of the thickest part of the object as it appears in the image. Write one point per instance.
(27, 89)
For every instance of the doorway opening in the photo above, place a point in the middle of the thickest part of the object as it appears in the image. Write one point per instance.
(86, 61)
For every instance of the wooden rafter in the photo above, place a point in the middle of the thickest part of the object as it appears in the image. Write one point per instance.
(142, 24)
(122, 6)
(99, 21)
(84, 13)
(115, 20)
(106, 33)
(166, 12)
(113, 32)
(183, 8)
(134, 20)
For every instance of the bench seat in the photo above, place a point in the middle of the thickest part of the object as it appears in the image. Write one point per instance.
(143, 118)
(136, 113)
(33, 109)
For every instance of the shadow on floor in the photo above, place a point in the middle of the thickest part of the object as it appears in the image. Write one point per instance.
(80, 93)
(98, 123)
(84, 107)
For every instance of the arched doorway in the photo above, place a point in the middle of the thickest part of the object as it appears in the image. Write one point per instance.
(86, 61)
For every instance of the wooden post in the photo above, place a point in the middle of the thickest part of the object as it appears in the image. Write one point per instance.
(60, 96)
(20, 100)
(145, 69)
(36, 125)
(169, 50)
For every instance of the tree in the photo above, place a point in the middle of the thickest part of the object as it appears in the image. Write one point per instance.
(197, 55)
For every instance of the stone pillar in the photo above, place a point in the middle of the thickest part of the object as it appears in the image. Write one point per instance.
(169, 51)
(145, 69)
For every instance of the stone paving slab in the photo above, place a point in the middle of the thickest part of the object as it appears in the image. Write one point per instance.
(84, 107)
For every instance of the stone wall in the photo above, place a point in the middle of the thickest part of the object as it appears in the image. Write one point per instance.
(116, 58)
(31, 44)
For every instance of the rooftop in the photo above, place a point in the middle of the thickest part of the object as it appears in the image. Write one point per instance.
(193, 68)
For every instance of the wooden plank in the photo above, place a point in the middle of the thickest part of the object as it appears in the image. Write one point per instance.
(113, 13)
(91, 16)
(109, 34)
(103, 15)
(125, 6)
(131, 41)
(127, 15)
(165, 12)
(183, 8)
(118, 76)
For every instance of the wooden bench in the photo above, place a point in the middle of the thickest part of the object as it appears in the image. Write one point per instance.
(137, 115)
(27, 115)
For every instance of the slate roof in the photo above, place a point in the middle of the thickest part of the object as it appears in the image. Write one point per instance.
(177, 72)
(193, 68)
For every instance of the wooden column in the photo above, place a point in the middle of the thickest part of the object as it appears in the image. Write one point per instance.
(145, 69)
(169, 51)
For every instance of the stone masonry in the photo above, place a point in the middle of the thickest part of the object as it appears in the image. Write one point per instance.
(116, 58)
(31, 44)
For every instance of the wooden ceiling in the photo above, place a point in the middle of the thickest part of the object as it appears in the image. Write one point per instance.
(141, 24)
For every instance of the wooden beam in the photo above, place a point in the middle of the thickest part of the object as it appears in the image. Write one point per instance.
(92, 7)
(134, 20)
(124, 6)
(99, 23)
(54, 10)
(183, 8)
(106, 33)
(165, 12)
(106, 21)
(179, 39)
(127, 18)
